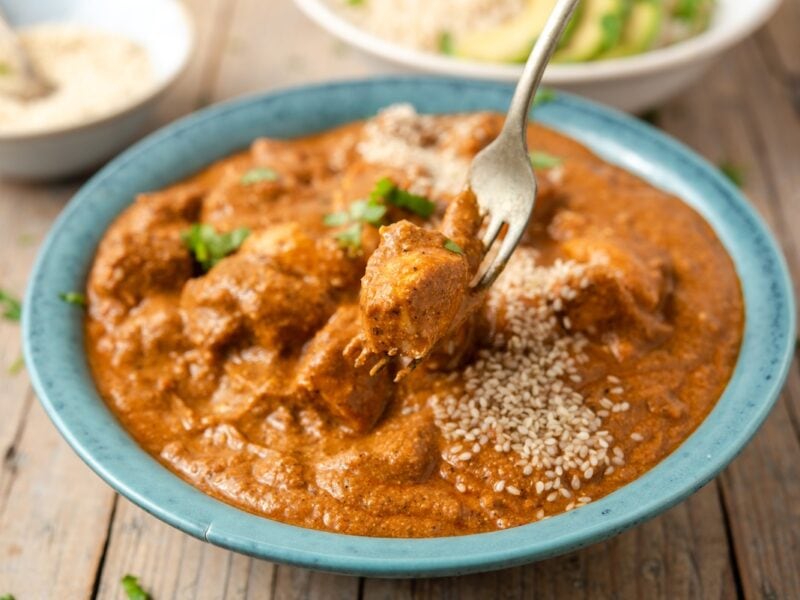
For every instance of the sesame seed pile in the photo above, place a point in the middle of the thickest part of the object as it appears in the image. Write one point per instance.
(519, 396)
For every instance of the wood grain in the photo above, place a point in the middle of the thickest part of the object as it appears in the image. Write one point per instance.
(756, 127)
(682, 554)
(63, 535)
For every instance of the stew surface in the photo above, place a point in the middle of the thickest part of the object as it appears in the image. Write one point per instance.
(262, 373)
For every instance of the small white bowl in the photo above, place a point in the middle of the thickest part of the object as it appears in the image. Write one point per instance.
(633, 84)
(162, 27)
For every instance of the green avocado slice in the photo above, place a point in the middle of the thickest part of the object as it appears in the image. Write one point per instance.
(642, 29)
(599, 29)
(511, 41)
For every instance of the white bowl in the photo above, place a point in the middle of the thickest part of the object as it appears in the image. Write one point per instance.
(162, 27)
(633, 84)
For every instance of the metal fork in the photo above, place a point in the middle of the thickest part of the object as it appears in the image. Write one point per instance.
(501, 175)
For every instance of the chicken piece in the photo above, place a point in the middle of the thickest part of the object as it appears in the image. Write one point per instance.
(278, 289)
(628, 283)
(400, 453)
(416, 289)
(133, 264)
(351, 394)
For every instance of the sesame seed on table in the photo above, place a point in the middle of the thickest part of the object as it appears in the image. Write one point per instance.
(65, 534)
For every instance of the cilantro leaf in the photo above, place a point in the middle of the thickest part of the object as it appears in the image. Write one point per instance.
(355, 2)
(132, 588)
(210, 247)
(368, 211)
(336, 219)
(258, 174)
(543, 96)
(350, 238)
(446, 43)
(733, 172)
(5, 69)
(15, 368)
(452, 246)
(386, 190)
(10, 306)
(543, 160)
(76, 298)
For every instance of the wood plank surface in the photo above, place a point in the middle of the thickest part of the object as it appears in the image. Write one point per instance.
(63, 534)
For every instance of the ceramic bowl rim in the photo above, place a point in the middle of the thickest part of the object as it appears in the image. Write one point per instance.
(379, 556)
(707, 44)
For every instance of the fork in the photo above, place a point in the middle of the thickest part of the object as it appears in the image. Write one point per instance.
(501, 175)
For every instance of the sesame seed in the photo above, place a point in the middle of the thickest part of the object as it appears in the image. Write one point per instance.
(461, 487)
(637, 437)
(520, 395)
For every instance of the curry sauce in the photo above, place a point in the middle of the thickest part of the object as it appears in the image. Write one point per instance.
(606, 342)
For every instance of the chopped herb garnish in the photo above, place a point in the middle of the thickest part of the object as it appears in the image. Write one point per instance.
(543, 160)
(132, 588)
(11, 307)
(350, 238)
(367, 211)
(336, 219)
(210, 247)
(543, 96)
(355, 2)
(5, 69)
(26, 239)
(446, 43)
(75, 298)
(388, 191)
(258, 174)
(7, 597)
(453, 247)
(733, 172)
(15, 368)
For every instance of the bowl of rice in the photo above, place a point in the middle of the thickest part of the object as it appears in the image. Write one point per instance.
(486, 39)
(107, 64)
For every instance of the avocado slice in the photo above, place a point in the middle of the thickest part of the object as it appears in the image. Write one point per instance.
(511, 41)
(642, 29)
(599, 29)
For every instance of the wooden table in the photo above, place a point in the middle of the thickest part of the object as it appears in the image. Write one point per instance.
(65, 534)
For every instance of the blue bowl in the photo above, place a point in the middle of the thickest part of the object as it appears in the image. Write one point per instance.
(54, 339)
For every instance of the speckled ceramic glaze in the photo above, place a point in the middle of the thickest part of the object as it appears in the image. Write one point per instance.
(54, 340)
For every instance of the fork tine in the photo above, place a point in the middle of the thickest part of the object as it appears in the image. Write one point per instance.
(509, 243)
(492, 231)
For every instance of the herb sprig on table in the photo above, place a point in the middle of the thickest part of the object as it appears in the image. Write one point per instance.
(733, 172)
(132, 588)
(372, 211)
(208, 246)
(10, 306)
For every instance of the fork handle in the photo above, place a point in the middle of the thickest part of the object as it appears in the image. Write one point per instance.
(517, 117)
